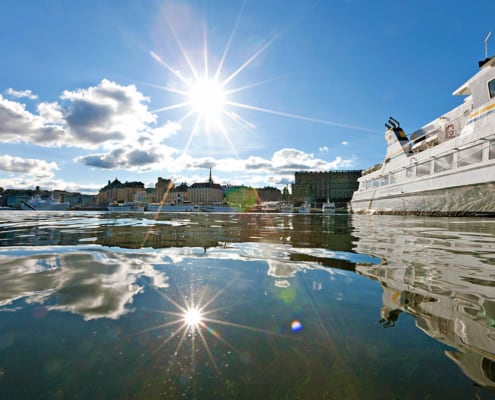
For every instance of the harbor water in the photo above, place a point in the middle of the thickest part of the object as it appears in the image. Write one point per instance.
(100, 305)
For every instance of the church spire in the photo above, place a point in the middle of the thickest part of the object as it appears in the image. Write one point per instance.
(211, 180)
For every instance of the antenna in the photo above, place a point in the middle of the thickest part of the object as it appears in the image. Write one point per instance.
(486, 44)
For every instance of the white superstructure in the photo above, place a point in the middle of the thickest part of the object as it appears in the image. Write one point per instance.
(445, 168)
(39, 204)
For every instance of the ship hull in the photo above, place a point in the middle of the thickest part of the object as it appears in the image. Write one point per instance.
(468, 200)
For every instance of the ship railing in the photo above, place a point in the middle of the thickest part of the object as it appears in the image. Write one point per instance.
(469, 154)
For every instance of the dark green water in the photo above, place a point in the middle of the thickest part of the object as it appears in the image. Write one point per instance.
(94, 306)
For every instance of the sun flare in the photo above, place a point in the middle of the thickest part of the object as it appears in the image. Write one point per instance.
(193, 317)
(207, 98)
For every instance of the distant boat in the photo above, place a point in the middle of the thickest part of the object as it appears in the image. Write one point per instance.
(270, 206)
(328, 208)
(173, 207)
(218, 207)
(304, 208)
(286, 208)
(125, 207)
(39, 204)
(447, 167)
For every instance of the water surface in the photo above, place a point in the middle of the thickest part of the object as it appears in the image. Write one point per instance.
(243, 306)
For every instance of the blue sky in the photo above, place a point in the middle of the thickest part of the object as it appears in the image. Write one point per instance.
(98, 89)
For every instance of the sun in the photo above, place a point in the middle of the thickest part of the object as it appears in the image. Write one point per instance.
(193, 317)
(207, 98)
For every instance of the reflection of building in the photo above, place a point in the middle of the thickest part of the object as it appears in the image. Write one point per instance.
(449, 289)
(119, 192)
(318, 187)
(206, 192)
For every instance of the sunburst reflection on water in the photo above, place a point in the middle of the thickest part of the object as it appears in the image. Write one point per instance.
(243, 306)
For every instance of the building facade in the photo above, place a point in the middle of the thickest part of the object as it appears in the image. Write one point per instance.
(269, 194)
(162, 190)
(318, 187)
(206, 192)
(118, 192)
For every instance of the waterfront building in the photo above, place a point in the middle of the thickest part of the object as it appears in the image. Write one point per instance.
(117, 192)
(162, 190)
(318, 187)
(269, 194)
(206, 192)
(180, 194)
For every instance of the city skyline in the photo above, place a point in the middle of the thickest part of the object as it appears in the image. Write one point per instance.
(97, 90)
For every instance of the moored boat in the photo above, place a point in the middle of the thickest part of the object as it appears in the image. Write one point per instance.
(328, 208)
(304, 208)
(173, 207)
(39, 204)
(447, 167)
(125, 207)
(219, 207)
(286, 208)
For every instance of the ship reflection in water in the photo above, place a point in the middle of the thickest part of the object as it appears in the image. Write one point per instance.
(442, 274)
(209, 306)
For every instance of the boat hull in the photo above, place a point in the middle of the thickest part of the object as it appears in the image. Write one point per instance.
(468, 200)
(172, 208)
(53, 207)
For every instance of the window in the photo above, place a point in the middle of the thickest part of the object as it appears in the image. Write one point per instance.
(423, 169)
(443, 163)
(491, 88)
(491, 153)
(470, 155)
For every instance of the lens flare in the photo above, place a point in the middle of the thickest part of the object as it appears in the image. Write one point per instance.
(207, 98)
(192, 317)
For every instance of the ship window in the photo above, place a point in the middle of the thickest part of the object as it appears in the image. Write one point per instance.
(423, 169)
(385, 180)
(491, 88)
(410, 171)
(491, 152)
(376, 182)
(443, 163)
(392, 178)
(470, 156)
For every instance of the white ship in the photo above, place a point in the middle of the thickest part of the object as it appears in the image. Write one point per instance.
(219, 207)
(445, 168)
(172, 207)
(328, 208)
(125, 207)
(39, 204)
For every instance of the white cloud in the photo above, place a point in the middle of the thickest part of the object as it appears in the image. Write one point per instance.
(21, 93)
(323, 149)
(345, 143)
(101, 115)
(36, 168)
(106, 114)
(19, 125)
